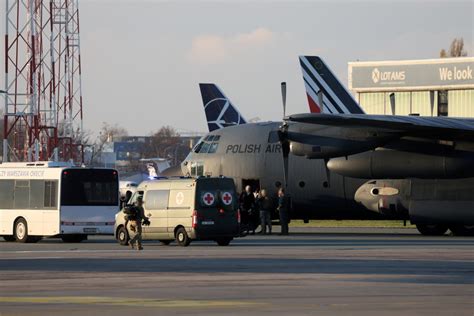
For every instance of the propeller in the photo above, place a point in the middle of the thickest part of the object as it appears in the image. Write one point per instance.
(283, 137)
(283, 97)
(328, 173)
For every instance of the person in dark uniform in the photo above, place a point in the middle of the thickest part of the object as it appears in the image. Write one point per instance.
(247, 209)
(124, 199)
(283, 211)
(265, 206)
(136, 215)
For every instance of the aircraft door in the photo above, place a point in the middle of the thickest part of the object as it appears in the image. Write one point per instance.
(254, 184)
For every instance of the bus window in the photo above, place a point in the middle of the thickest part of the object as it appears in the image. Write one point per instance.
(36, 194)
(6, 194)
(89, 187)
(22, 194)
(50, 196)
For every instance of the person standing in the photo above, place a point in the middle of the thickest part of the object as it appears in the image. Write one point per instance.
(136, 216)
(124, 199)
(283, 211)
(247, 208)
(265, 207)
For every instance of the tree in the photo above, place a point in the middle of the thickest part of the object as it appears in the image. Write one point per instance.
(166, 143)
(108, 133)
(455, 50)
(161, 142)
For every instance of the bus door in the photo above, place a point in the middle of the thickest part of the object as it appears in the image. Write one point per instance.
(50, 196)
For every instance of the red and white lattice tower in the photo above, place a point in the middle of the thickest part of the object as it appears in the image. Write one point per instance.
(43, 103)
(67, 71)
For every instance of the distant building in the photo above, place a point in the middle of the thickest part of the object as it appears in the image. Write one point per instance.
(428, 87)
(128, 150)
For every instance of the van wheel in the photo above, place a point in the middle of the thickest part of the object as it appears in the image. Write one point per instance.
(122, 236)
(9, 238)
(73, 238)
(182, 237)
(223, 241)
(165, 242)
(431, 229)
(462, 230)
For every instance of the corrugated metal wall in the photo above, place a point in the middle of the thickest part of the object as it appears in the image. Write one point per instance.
(460, 103)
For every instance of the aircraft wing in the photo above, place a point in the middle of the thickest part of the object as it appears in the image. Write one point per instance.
(443, 128)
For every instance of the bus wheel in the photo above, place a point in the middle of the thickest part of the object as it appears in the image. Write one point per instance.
(462, 230)
(122, 236)
(431, 229)
(182, 237)
(74, 238)
(223, 241)
(21, 231)
(9, 238)
(165, 242)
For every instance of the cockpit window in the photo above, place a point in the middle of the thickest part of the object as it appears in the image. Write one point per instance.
(213, 148)
(197, 148)
(207, 145)
(205, 148)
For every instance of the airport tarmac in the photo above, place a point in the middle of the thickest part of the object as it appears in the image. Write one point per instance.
(314, 271)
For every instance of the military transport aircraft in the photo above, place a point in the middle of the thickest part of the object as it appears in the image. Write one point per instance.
(405, 148)
(252, 154)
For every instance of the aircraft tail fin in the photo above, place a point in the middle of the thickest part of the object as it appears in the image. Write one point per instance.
(220, 112)
(324, 91)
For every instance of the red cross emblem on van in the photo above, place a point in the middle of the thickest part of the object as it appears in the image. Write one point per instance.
(227, 198)
(208, 198)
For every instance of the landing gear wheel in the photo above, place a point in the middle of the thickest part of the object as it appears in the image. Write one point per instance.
(462, 230)
(165, 242)
(224, 241)
(182, 237)
(21, 231)
(73, 238)
(9, 238)
(431, 229)
(122, 236)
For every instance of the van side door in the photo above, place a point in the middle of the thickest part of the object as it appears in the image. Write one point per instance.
(180, 209)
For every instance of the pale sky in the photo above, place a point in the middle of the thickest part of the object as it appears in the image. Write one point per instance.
(143, 60)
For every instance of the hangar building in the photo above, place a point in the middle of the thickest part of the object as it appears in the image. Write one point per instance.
(426, 87)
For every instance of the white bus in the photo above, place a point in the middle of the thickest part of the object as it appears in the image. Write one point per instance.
(51, 199)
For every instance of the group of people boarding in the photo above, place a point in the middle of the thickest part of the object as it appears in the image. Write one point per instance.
(256, 209)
